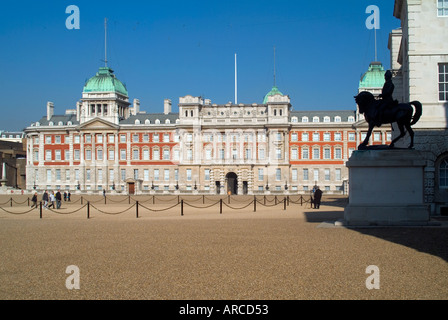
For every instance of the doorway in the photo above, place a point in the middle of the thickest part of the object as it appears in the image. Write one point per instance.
(131, 187)
(232, 183)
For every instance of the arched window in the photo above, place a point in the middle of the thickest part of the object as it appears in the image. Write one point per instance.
(167, 121)
(157, 121)
(294, 119)
(275, 112)
(304, 119)
(147, 121)
(137, 121)
(443, 173)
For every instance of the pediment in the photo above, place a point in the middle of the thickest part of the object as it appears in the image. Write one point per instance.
(98, 124)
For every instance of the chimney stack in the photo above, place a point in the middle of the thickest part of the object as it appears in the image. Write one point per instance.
(136, 106)
(167, 106)
(50, 110)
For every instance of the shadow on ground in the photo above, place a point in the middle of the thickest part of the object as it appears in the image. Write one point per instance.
(428, 239)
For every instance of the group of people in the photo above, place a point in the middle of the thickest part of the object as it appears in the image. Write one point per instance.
(51, 199)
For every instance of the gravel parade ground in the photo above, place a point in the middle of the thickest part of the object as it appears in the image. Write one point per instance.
(239, 254)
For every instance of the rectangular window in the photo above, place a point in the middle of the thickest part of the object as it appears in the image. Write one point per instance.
(48, 175)
(188, 174)
(156, 174)
(58, 174)
(327, 136)
(327, 174)
(57, 139)
(155, 137)
(305, 153)
(48, 139)
(156, 154)
(207, 174)
(327, 153)
(135, 174)
(146, 138)
(166, 175)
(135, 154)
(122, 138)
(278, 174)
(278, 153)
(337, 136)
(166, 137)
(316, 136)
(248, 154)
(166, 154)
(208, 154)
(305, 136)
(442, 8)
(111, 154)
(135, 138)
(316, 174)
(36, 155)
(100, 174)
(77, 139)
(77, 174)
(145, 154)
(57, 155)
(88, 138)
(67, 174)
(260, 174)
(351, 136)
(189, 154)
(146, 174)
(338, 153)
(176, 174)
(111, 138)
(76, 154)
(88, 154)
(294, 175)
(221, 154)
(66, 154)
(122, 154)
(376, 136)
(294, 154)
(337, 174)
(294, 136)
(88, 177)
(443, 76)
(123, 174)
(305, 174)
(48, 155)
(316, 153)
(176, 154)
(99, 154)
(99, 138)
(261, 154)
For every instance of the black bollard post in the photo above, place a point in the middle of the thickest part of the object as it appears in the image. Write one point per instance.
(220, 206)
(88, 210)
(40, 209)
(255, 204)
(284, 203)
(182, 207)
(136, 209)
(10, 200)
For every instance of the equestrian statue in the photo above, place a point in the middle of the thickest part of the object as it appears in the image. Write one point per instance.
(386, 110)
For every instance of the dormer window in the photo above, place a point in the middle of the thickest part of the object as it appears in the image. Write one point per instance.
(327, 119)
(315, 119)
(337, 119)
(304, 119)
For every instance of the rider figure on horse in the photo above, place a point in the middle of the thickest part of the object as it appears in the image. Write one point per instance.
(386, 98)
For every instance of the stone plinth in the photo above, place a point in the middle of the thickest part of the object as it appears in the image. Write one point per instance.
(386, 188)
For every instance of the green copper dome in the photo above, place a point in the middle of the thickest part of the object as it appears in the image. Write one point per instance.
(374, 77)
(271, 93)
(105, 81)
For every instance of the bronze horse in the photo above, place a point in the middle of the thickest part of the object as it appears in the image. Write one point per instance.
(402, 113)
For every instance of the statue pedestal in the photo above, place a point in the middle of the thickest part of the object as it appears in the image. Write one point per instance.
(386, 188)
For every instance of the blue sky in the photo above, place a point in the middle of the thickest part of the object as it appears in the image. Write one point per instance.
(168, 49)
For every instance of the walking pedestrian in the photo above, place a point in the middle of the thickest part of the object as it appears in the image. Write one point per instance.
(45, 199)
(52, 199)
(58, 199)
(34, 200)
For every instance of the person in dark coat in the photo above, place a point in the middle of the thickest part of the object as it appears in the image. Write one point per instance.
(34, 200)
(45, 199)
(317, 197)
(58, 199)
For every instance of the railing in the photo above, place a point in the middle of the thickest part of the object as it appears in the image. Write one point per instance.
(136, 203)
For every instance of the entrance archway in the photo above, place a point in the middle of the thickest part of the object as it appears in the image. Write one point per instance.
(232, 183)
